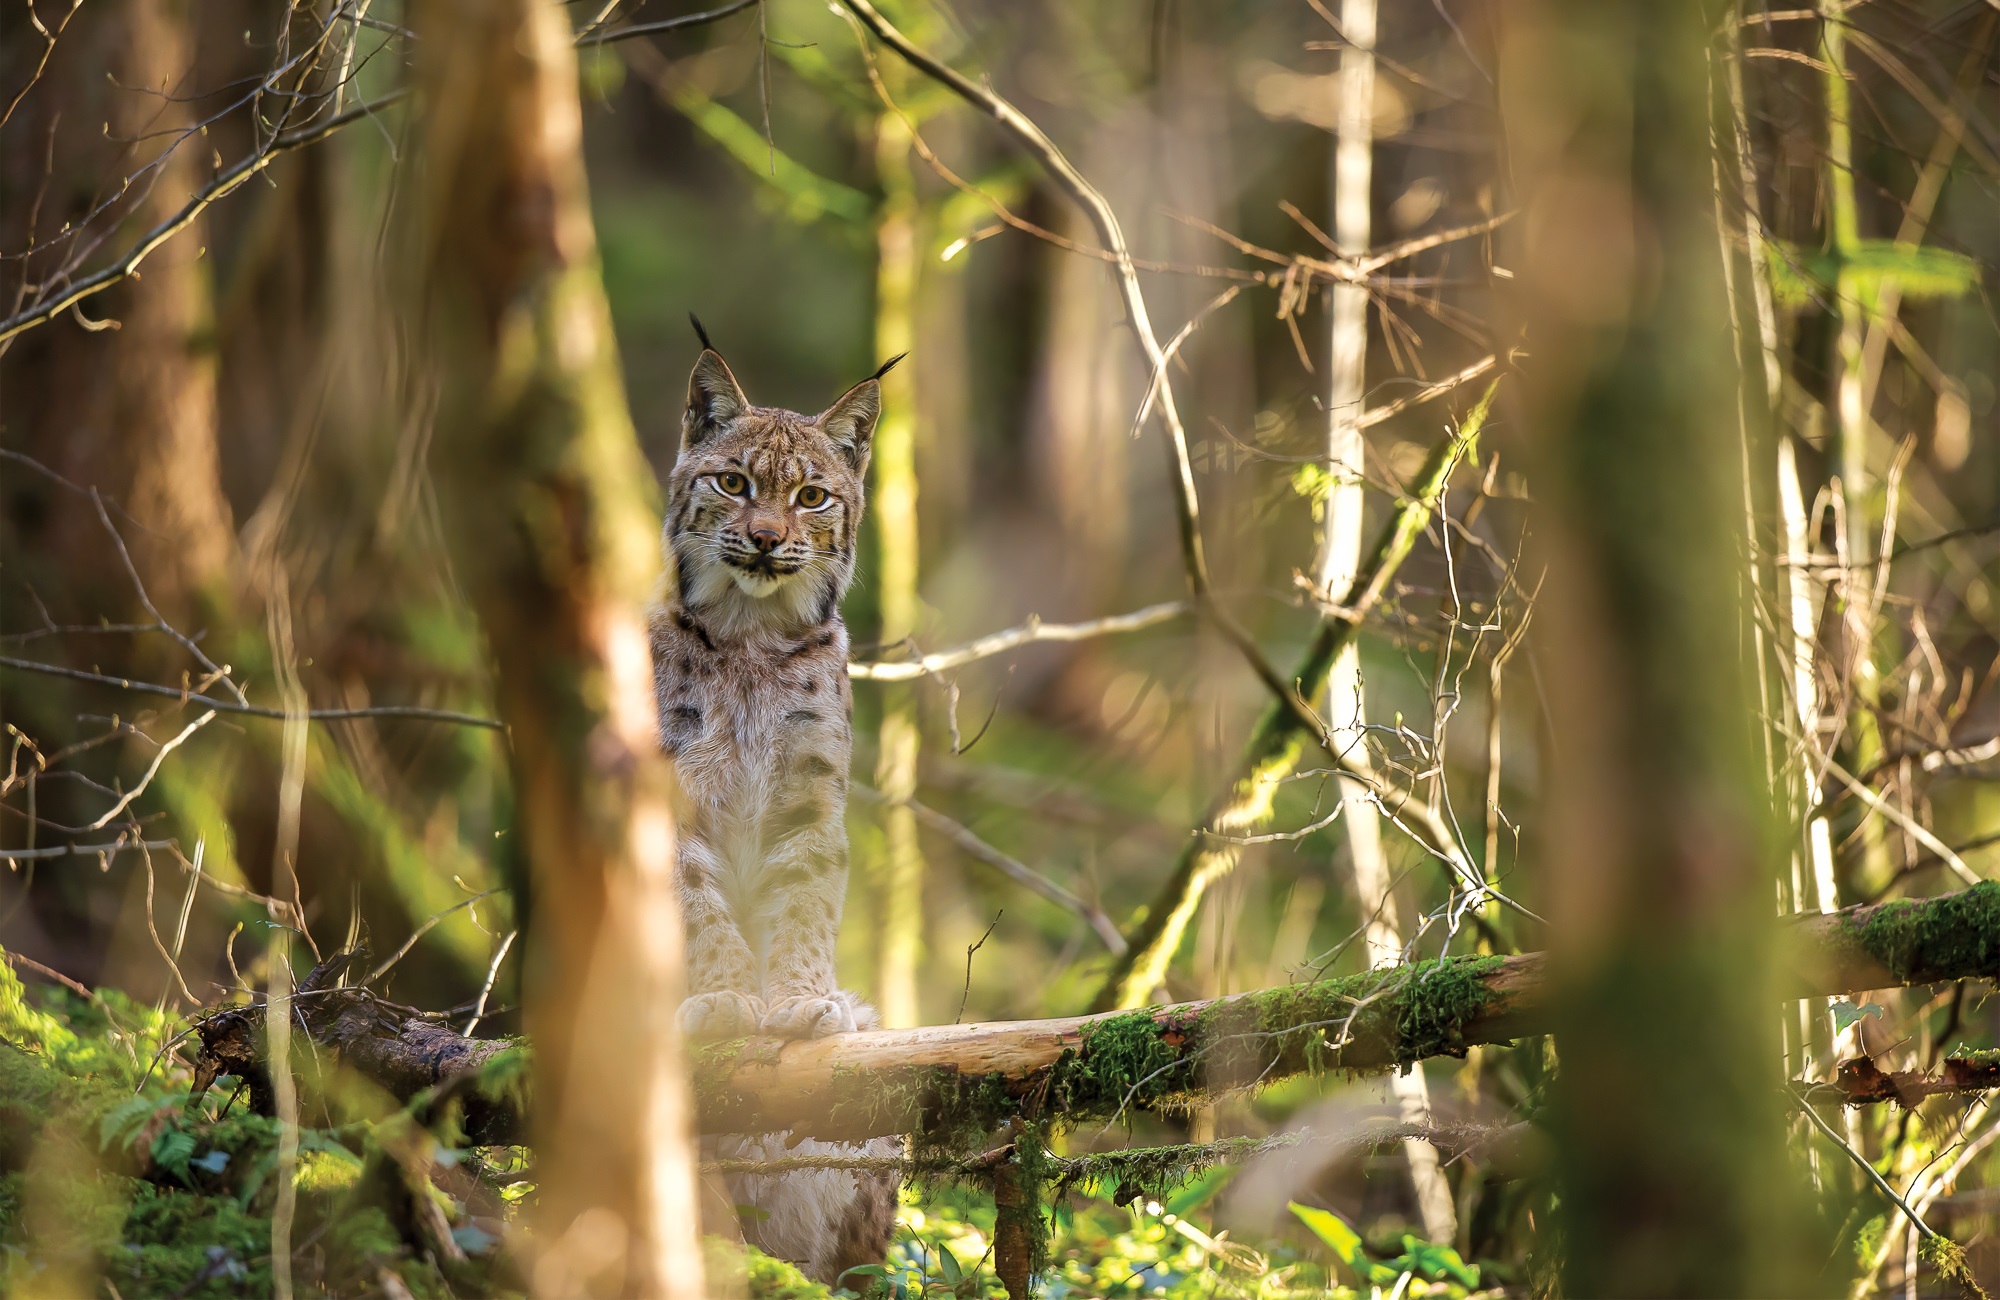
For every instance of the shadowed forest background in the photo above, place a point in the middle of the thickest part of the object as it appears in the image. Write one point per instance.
(1519, 520)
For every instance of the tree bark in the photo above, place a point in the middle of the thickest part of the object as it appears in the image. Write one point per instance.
(900, 886)
(554, 536)
(1671, 1165)
(1340, 558)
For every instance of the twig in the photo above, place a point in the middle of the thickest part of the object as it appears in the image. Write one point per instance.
(250, 710)
(1015, 870)
(50, 308)
(1916, 829)
(486, 989)
(125, 800)
(595, 36)
(971, 948)
(74, 986)
(215, 672)
(82, 850)
(1274, 748)
(1001, 642)
(1030, 138)
(420, 932)
(1369, 419)
(1868, 1168)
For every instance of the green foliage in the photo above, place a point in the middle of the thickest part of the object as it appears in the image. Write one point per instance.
(1419, 1258)
(160, 1198)
(805, 195)
(1924, 940)
(1799, 277)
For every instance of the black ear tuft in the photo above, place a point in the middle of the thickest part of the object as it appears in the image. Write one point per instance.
(702, 334)
(889, 365)
(714, 399)
(850, 422)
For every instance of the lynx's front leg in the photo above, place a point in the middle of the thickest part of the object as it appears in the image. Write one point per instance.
(805, 879)
(722, 972)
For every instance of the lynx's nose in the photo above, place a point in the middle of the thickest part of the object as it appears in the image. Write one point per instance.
(766, 539)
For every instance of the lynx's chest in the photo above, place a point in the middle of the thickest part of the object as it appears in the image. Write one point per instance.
(747, 722)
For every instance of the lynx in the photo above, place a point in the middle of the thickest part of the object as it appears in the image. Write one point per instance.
(750, 666)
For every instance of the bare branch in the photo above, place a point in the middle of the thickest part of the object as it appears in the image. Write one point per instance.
(250, 710)
(1014, 869)
(1027, 633)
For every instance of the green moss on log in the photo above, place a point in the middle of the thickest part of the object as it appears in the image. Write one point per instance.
(1924, 941)
(1155, 1059)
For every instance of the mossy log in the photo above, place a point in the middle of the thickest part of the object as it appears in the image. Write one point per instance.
(956, 1079)
(954, 1084)
(405, 1052)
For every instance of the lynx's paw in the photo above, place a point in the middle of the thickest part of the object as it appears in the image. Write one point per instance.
(720, 1015)
(810, 1017)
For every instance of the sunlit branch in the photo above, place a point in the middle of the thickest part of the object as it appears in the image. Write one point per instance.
(1032, 631)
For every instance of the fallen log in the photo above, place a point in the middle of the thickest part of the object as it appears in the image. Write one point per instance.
(405, 1052)
(952, 1085)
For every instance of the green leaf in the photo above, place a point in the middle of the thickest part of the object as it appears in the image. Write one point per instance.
(1919, 272)
(1200, 1190)
(172, 1150)
(948, 1265)
(1799, 277)
(1434, 1262)
(1330, 1228)
(126, 1121)
(1845, 1013)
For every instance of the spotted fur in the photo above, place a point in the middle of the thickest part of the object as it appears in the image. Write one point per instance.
(750, 667)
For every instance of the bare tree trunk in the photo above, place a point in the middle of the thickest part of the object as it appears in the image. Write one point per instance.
(901, 883)
(1340, 559)
(1862, 747)
(555, 538)
(1671, 1165)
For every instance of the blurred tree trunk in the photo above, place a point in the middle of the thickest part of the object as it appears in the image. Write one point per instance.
(901, 882)
(1340, 560)
(556, 540)
(129, 406)
(1672, 1171)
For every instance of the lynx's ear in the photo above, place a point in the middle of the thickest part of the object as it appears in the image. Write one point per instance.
(714, 399)
(850, 422)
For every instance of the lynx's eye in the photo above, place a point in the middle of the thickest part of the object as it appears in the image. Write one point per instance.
(732, 483)
(811, 497)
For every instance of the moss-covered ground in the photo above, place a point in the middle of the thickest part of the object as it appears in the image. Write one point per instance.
(112, 1184)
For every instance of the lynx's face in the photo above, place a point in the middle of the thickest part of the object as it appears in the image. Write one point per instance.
(764, 505)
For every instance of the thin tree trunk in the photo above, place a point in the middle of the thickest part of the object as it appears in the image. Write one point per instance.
(1800, 595)
(1862, 747)
(1671, 1167)
(556, 541)
(1340, 559)
(901, 883)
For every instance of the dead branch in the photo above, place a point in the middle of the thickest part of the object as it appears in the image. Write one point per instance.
(1027, 633)
(1861, 1082)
